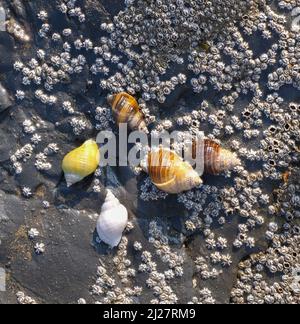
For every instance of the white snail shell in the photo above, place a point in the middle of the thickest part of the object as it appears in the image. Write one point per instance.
(112, 220)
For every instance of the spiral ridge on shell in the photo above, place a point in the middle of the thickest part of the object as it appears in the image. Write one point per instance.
(112, 220)
(127, 111)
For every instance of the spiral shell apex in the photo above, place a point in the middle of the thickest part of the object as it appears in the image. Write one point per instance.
(216, 158)
(112, 220)
(81, 162)
(170, 173)
(126, 110)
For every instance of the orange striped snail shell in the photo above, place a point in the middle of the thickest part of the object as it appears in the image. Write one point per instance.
(216, 158)
(126, 110)
(170, 173)
(81, 162)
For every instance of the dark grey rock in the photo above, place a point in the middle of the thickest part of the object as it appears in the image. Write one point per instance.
(5, 100)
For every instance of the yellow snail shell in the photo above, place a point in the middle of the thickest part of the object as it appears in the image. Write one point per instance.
(169, 172)
(216, 158)
(81, 162)
(112, 220)
(126, 110)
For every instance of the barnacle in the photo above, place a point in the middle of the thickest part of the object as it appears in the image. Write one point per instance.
(112, 220)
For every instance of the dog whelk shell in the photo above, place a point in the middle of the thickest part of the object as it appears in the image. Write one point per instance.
(216, 158)
(170, 173)
(81, 162)
(126, 110)
(112, 220)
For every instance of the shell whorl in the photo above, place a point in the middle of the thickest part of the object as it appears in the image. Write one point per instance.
(112, 220)
(218, 159)
(170, 173)
(126, 110)
(81, 162)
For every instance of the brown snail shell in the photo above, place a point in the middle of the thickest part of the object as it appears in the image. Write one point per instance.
(216, 158)
(170, 173)
(126, 110)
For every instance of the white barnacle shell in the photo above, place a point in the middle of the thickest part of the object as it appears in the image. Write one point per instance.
(112, 220)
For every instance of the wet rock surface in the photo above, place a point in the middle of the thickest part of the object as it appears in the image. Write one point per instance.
(65, 217)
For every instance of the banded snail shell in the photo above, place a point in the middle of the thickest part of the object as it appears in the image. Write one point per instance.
(216, 158)
(170, 173)
(81, 162)
(126, 110)
(112, 220)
